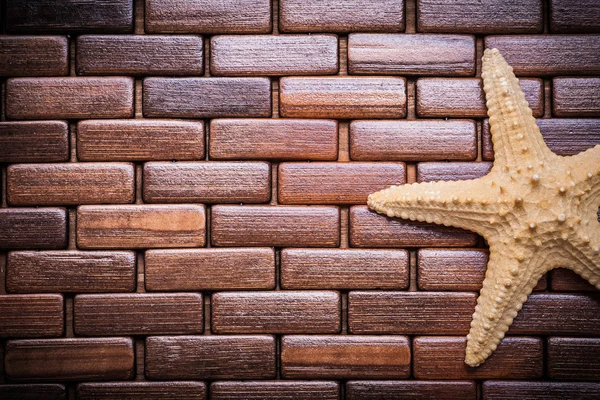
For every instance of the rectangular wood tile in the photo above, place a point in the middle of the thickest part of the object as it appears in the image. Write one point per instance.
(142, 390)
(70, 359)
(140, 226)
(260, 55)
(564, 280)
(210, 357)
(207, 97)
(451, 171)
(34, 141)
(70, 184)
(32, 315)
(345, 357)
(342, 97)
(568, 17)
(418, 390)
(496, 390)
(69, 97)
(344, 269)
(279, 226)
(576, 96)
(335, 183)
(140, 140)
(574, 358)
(33, 228)
(275, 390)
(33, 391)
(207, 182)
(34, 55)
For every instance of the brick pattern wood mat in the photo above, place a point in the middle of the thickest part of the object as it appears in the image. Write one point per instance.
(183, 198)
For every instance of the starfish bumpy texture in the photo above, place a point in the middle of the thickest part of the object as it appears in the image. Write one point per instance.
(537, 210)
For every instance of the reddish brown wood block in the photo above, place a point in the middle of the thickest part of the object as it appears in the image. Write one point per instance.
(140, 226)
(341, 16)
(207, 182)
(440, 390)
(413, 140)
(70, 271)
(275, 390)
(344, 269)
(142, 390)
(568, 17)
(34, 55)
(210, 357)
(345, 357)
(208, 16)
(294, 226)
(140, 140)
(72, 359)
(28, 391)
(260, 55)
(276, 312)
(574, 358)
(454, 171)
(369, 229)
(336, 183)
(207, 97)
(289, 139)
(204, 269)
(342, 97)
(34, 141)
(576, 97)
(70, 184)
(33, 228)
(498, 390)
(444, 358)
(32, 315)
(564, 280)
(464, 97)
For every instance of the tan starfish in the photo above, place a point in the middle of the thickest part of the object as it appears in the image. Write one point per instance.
(537, 210)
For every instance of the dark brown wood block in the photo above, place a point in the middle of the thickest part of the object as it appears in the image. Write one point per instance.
(207, 182)
(140, 140)
(207, 97)
(574, 358)
(34, 141)
(417, 390)
(341, 16)
(70, 271)
(413, 140)
(453, 171)
(210, 357)
(443, 357)
(260, 55)
(569, 17)
(31, 315)
(34, 55)
(28, 391)
(576, 96)
(33, 228)
(342, 97)
(275, 390)
(69, 97)
(280, 226)
(464, 97)
(369, 229)
(276, 312)
(70, 184)
(335, 183)
(345, 357)
(507, 390)
(564, 280)
(142, 391)
(208, 16)
(140, 226)
(288, 139)
(344, 269)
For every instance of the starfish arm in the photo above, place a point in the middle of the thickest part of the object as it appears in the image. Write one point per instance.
(584, 169)
(584, 260)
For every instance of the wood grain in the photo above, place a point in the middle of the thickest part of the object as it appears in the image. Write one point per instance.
(576, 97)
(505, 390)
(564, 280)
(418, 390)
(454, 171)
(34, 141)
(142, 391)
(34, 55)
(569, 17)
(37, 315)
(29, 391)
(33, 228)
(275, 390)
(574, 358)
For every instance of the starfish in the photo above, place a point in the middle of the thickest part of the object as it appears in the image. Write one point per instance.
(536, 209)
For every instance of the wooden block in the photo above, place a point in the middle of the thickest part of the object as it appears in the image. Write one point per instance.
(439, 390)
(454, 171)
(210, 357)
(564, 280)
(444, 358)
(204, 269)
(341, 16)
(69, 98)
(139, 55)
(574, 358)
(70, 271)
(207, 182)
(140, 140)
(275, 390)
(276, 312)
(568, 17)
(344, 269)
(207, 97)
(278, 226)
(464, 97)
(33, 228)
(34, 141)
(496, 390)
(70, 359)
(345, 357)
(34, 55)
(421, 140)
(208, 16)
(28, 391)
(46, 16)
(369, 229)
(482, 17)
(138, 314)
(142, 390)
(335, 183)
(538, 55)
(70, 184)
(576, 96)
(342, 97)
(31, 315)
(260, 55)
(140, 226)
